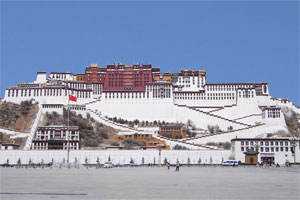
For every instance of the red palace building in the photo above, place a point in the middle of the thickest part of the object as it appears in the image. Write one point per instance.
(94, 73)
(119, 77)
(128, 78)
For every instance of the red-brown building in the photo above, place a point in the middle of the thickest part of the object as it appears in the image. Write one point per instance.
(128, 78)
(94, 73)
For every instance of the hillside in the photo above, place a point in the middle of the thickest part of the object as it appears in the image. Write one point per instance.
(16, 117)
(292, 120)
(93, 135)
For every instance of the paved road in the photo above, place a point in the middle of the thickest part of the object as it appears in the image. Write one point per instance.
(151, 183)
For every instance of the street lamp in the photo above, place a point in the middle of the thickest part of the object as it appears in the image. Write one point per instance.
(293, 143)
(159, 150)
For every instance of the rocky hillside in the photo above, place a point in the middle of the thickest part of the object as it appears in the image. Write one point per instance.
(17, 117)
(93, 135)
(292, 120)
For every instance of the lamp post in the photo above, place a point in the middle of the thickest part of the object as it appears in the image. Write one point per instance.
(293, 143)
(159, 153)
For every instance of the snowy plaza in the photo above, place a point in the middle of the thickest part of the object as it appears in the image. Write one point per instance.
(151, 183)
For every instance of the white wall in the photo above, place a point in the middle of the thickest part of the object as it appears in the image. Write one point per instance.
(117, 156)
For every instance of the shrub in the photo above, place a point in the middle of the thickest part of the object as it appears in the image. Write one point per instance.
(179, 147)
(91, 142)
(115, 143)
(227, 145)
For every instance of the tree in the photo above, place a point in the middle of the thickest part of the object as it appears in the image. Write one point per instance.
(179, 147)
(210, 129)
(136, 121)
(29, 161)
(115, 143)
(19, 162)
(97, 162)
(230, 128)
(131, 161)
(143, 160)
(199, 161)
(227, 145)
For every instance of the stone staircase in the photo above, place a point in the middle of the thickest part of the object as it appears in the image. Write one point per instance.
(34, 127)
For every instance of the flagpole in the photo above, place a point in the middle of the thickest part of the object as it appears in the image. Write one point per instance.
(68, 137)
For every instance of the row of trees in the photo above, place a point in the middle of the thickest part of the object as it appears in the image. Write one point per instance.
(86, 161)
(137, 122)
(224, 145)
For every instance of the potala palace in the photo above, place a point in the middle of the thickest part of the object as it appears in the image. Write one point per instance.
(241, 110)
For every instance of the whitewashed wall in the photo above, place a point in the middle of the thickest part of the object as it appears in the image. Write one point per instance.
(117, 156)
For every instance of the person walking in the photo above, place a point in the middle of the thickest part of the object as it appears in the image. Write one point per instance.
(177, 166)
(169, 165)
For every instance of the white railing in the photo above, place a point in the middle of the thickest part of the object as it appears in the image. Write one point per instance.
(34, 128)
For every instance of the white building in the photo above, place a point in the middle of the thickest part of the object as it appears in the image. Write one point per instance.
(270, 150)
(9, 146)
(56, 137)
(131, 92)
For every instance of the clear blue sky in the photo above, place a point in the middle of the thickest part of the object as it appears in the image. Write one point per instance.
(233, 41)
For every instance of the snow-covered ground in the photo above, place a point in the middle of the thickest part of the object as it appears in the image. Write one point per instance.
(150, 183)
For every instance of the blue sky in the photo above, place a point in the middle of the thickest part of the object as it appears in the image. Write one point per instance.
(234, 41)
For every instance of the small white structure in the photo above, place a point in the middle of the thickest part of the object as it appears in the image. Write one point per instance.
(9, 146)
(41, 77)
(271, 150)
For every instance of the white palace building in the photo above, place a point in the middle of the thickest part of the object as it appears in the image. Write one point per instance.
(241, 110)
